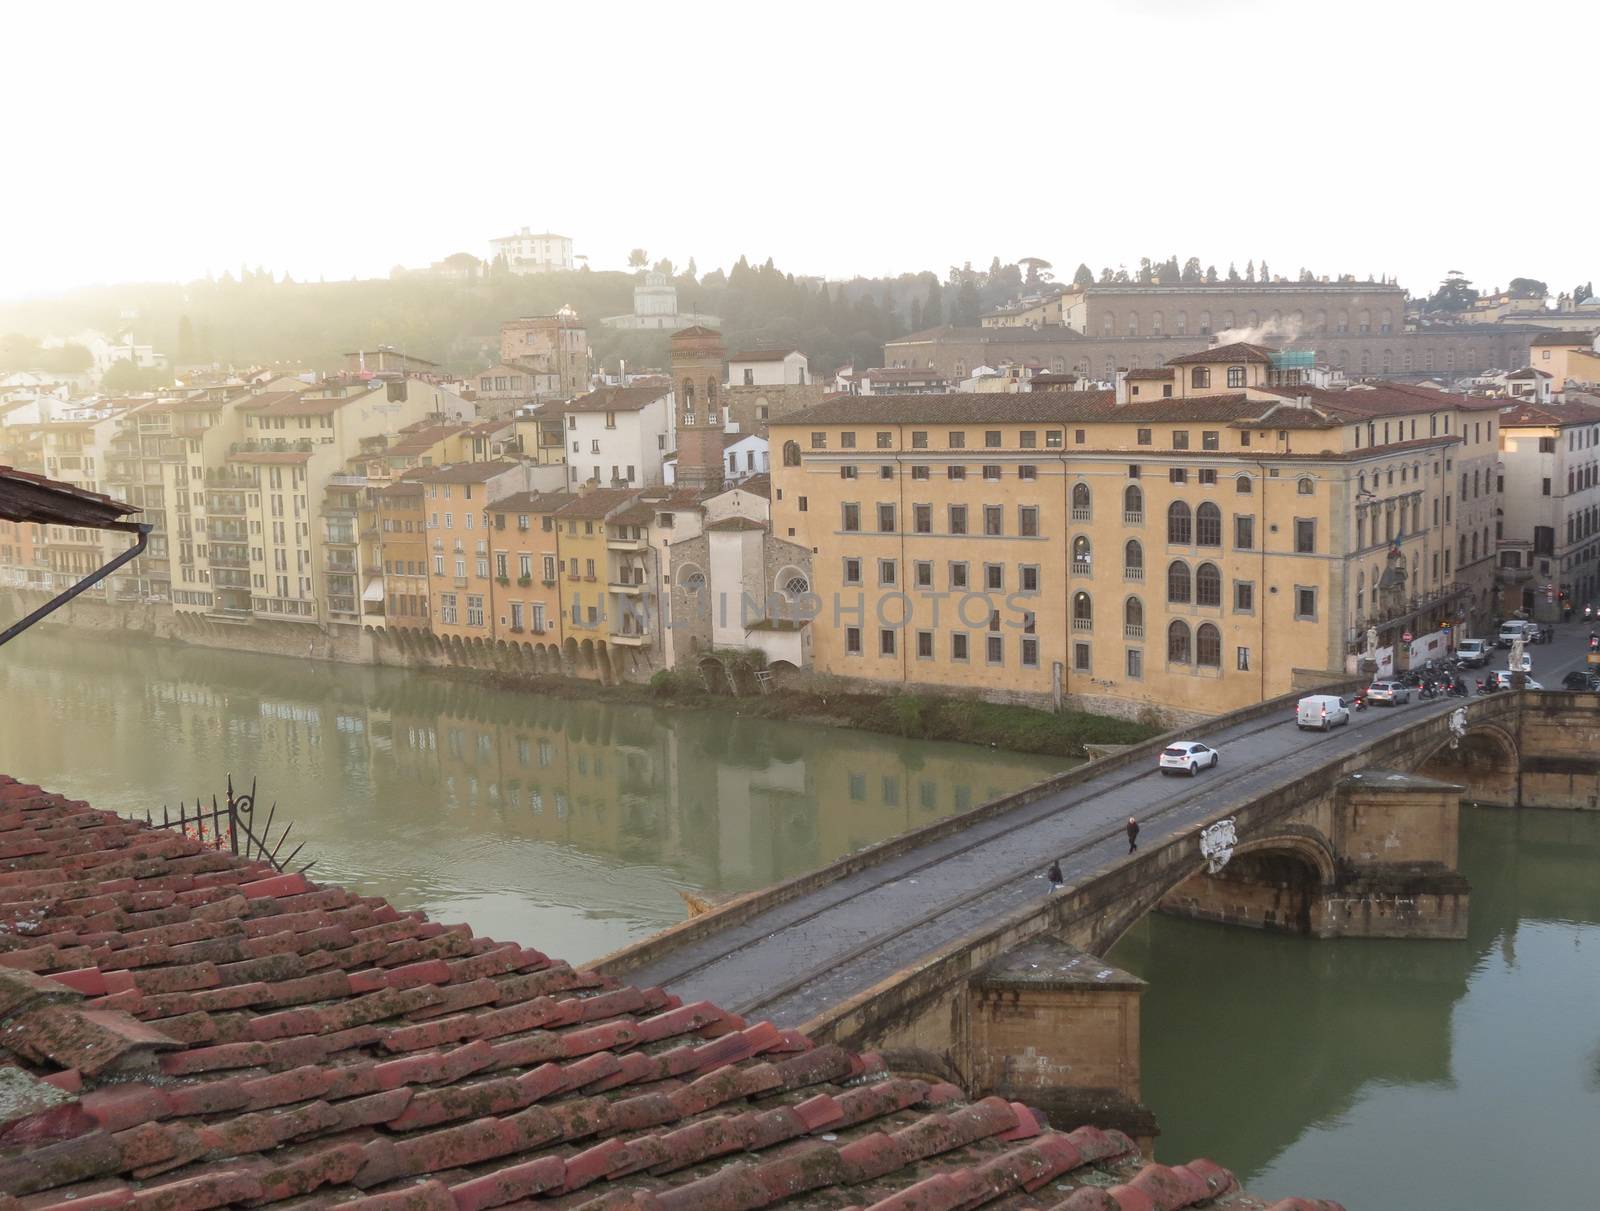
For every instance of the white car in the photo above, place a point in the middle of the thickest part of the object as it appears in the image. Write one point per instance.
(1187, 757)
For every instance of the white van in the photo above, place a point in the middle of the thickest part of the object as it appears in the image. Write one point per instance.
(1511, 631)
(1321, 711)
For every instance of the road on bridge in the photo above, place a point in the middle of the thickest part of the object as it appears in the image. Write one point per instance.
(803, 957)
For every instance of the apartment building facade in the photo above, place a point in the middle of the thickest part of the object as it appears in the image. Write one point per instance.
(1549, 542)
(554, 349)
(527, 567)
(1189, 553)
(617, 437)
(403, 554)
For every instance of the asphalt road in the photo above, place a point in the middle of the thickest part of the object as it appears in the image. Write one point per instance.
(801, 958)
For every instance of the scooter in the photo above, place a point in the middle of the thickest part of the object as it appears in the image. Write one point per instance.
(1359, 702)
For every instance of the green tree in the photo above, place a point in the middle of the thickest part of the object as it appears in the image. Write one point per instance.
(1191, 271)
(933, 308)
(126, 378)
(638, 259)
(1147, 271)
(1250, 271)
(664, 265)
(1528, 288)
(1455, 293)
(1211, 275)
(185, 353)
(1036, 271)
(691, 272)
(1233, 273)
(968, 304)
(1107, 276)
(1084, 277)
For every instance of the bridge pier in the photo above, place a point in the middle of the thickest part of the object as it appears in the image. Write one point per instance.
(1395, 836)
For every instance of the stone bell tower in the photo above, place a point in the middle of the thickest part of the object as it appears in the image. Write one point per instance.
(697, 370)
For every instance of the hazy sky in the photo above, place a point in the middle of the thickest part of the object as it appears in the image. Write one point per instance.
(164, 140)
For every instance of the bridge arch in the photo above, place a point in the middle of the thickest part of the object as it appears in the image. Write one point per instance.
(1486, 761)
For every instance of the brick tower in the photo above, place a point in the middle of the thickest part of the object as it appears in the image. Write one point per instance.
(697, 366)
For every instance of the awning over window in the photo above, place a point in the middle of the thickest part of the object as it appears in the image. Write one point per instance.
(373, 591)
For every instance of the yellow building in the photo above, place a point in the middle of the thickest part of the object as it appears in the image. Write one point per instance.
(460, 579)
(585, 564)
(527, 567)
(1191, 552)
(1570, 358)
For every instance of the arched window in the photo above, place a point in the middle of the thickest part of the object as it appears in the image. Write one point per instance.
(1207, 585)
(1208, 526)
(1155, 323)
(1205, 323)
(1082, 611)
(1178, 523)
(1082, 556)
(1133, 560)
(1208, 647)
(1178, 642)
(1133, 619)
(1305, 487)
(1182, 323)
(1133, 323)
(1320, 324)
(797, 586)
(1133, 503)
(1108, 326)
(711, 399)
(692, 579)
(1461, 556)
(1080, 502)
(1361, 592)
(1242, 485)
(1200, 376)
(688, 401)
(791, 454)
(1178, 582)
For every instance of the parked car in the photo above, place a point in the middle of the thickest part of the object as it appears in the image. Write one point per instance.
(1187, 757)
(1514, 630)
(1323, 712)
(1579, 679)
(1390, 693)
(1473, 653)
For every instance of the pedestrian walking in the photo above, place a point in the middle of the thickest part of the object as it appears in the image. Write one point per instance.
(1133, 834)
(1054, 875)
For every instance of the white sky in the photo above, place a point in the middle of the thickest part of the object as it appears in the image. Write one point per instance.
(160, 141)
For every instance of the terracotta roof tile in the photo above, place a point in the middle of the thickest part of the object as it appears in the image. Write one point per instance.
(1238, 351)
(616, 399)
(278, 1042)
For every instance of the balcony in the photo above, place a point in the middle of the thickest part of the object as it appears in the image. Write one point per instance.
(227, 531)
(1133, 630)
(341, 536)
(343, 480)
(227, 578)
(1080, 514)
(625, 588)
(229, 613)
(342, 605)
(339, 562)
(1082, 568)
(628, 544)
(630, 639)
(225, 504)
(1507, 575)
(1132, 518)
(1083, 625)
(229, 560)
(1134, 574)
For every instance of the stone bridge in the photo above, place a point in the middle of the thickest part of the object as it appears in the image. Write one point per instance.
(944, 946)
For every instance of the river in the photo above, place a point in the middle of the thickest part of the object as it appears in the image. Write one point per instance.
(569, 825)
(1385, 1074)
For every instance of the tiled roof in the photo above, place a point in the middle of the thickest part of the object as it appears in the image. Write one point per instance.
(616, 399)
(736, 523)
(696, 330)
(405, 487)
(1563, 338)
(596, 504)
(1529, 372)
(416, 441)
(188, 1030)
(295, 403)
(532, 502)
(1576, 413)
(1160, 373)
(1238, 351)
(461, 473)
(900, 374)
(25, 496)
(639, 514)
(762, 355)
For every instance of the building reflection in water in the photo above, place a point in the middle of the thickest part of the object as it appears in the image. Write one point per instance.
(569, 824)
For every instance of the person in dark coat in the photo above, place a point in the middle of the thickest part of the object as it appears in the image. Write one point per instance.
(1133, 834)
(1054, 875)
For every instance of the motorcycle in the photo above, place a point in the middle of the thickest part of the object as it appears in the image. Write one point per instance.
(1359, 702)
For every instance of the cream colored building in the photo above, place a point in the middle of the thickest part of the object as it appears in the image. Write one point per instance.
(1194, 552)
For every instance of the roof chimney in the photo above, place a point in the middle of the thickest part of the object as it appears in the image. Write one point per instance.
(1119, 383)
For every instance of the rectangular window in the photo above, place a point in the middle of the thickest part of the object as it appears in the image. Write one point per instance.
(1177, 475)
(1210, 439)
(955, 472)
(1547, 445)
(1028, 578)
(994, 577)
(885, 519)
(886, 573)
(852, 640)
(1305, 603)
(994, 520)
(1080, 658)
(1028, 521)
(958, 646)
(924, 645)
(958, 519)
(956, 440)
(922, 518)
(1305, 535)
(1027, 471)
(1242, 660)
(886, 642)
(1030, 652)
(852, 570)
(847, 441)
(919, 439)
(1143, 437)
(885, 440)
(919, 472)
(802, 503)
(1235, 376)
(847, 472)
(1052, 439)
(991, 471)
(819, 441)
(1028, 439)
(958, 575)
(991, 439)
(1135, 664)
(1546, 489)
(1180, 439)
(995, 649)
(1208, 477)
(850, 518)
(1244, 533)
(924, 574)
(1079, 437)
(1244, 597)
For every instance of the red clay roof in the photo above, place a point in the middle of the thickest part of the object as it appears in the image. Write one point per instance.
(461, 473)
(532, 502)
(1574, 413)
(271, 457)
(616, 399)
(25, 496)
(762, 355)
(1163, 373)
(189, 1030)
(1564, 338)
(1238, 351)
